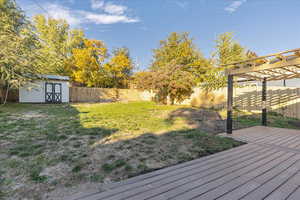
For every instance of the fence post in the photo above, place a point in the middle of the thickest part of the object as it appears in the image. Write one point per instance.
(229, 104)
(264, 102)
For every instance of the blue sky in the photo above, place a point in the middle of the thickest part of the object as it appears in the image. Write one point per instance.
(264, 26)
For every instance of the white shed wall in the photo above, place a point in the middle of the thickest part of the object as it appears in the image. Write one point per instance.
(65, 91)
(35, 92)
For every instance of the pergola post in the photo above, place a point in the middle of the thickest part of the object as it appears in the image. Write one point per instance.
(264, 102)
(229, 104)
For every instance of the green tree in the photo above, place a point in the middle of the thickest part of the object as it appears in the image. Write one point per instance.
(174, 83)
(57, 41)
(143, 80)
(177, 67)
(19, 60)
(180, 49)
(227, 51)
(119, 68)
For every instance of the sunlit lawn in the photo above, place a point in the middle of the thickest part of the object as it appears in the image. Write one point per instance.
(45, 147)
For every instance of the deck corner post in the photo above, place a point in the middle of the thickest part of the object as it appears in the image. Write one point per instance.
(229, 104)
(264, 102)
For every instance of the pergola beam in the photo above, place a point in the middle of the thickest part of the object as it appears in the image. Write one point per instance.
(266, 66)
(285, 77)
(289, 70)
(250, 76)
(275, 72)
(279, 66)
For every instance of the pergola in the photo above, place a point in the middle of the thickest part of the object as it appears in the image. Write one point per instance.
(278, 66)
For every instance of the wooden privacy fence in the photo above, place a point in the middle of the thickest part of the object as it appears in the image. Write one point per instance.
(82, 94)
(283, 100)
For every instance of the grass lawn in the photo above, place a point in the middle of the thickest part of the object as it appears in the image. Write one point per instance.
(44, 148)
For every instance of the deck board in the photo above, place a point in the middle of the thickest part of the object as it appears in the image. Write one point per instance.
(268, 167)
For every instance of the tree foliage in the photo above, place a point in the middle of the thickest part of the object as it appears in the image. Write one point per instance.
(177, 67)
(68, 52)
(119, 68)
(19, 60)
(57, 42)
(86, 65)
(227, 51)
(143, 80)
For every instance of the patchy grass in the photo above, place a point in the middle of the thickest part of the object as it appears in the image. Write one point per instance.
(46, 147)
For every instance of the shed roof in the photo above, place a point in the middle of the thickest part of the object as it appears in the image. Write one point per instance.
(278, 66)
(54, 77)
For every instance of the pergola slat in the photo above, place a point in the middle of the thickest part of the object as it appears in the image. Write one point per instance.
(262, 67)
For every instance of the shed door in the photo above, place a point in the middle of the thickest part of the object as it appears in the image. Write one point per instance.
(53, 92)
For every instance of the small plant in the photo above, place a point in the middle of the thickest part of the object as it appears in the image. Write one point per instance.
(128, 167)
(95, 177)
(142, 167)
(78, 177)
(109, 167)
(25, 149)
(35, 175)
(77, 168)
(119, 163)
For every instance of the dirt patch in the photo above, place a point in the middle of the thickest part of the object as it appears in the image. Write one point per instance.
(63, 192)
(29, 115)
(209, 121)
(54, 173)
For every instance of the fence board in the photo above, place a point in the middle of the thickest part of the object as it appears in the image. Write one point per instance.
(83, 94)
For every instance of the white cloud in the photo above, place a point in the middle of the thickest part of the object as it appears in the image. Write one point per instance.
(108, 19)
(234, 5)
(59, 12)
(96, 4)
(108, 7)
(182, 4)
(114, 9)
(111, 14)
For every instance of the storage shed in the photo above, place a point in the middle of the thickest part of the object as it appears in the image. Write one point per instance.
(49, 89)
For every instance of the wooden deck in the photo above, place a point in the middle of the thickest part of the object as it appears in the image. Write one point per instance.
(268, 167)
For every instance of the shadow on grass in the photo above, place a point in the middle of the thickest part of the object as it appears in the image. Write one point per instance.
(150, 151)
(205, 120)
(52, 146)
(41, 141)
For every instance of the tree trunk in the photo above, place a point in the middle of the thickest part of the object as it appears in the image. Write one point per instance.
(4, 95)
